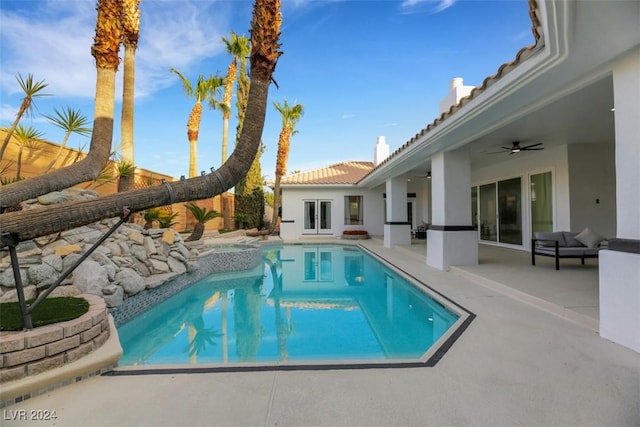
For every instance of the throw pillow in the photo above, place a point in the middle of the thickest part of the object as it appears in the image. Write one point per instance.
(570, 240)
(589, 238)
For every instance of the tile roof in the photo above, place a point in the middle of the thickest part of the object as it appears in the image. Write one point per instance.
(339, 173)
(505, 68)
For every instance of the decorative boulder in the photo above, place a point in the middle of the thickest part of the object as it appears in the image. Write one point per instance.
(90, 277)
(130, 281)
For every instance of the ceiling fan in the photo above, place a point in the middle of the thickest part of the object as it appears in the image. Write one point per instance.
(516, 148)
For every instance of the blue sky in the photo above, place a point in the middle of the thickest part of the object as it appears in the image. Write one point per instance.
(360, 68)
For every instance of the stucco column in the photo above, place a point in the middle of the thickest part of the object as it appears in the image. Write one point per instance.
(620, 265)
(397, 230)
(451, 239)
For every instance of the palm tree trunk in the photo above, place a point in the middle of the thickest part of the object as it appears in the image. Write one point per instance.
(126, 125)
(19, 167)
(23, 107)
(26, 225)
(225, 138)
(276, 203)
(196, 234)
(84, 170)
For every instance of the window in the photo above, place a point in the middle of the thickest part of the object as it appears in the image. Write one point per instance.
(353, 210)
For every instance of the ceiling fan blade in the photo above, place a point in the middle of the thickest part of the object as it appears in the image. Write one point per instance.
(531, 149)
(528, 147)
(506, 148)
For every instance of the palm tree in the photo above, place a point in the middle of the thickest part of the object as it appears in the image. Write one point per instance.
(249, 193)
(202, 216)
(31, 90)
(238, 48)
(202, 91)
(72, 121)
(291, 115)
(26, 225)
(27, 139)
(105, 51)
(130, 36)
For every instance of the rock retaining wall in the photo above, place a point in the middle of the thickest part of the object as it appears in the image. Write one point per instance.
(124, 265)
(214, 261)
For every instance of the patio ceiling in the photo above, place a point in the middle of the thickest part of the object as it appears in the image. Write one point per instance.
(582, 117)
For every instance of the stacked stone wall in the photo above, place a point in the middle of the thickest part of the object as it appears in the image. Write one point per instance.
(27, 353)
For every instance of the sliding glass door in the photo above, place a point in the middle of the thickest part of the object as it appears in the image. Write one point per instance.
(510, 208)
(488, 213)
(499, 212)
(541, 202)
(497, 208)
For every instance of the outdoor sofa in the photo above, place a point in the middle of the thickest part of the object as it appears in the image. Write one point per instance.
(565, 244)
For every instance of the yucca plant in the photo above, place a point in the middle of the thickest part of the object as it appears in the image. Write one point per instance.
(202, 216)
(150, 215)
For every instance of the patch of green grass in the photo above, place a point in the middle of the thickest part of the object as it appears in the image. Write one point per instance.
(50, 310)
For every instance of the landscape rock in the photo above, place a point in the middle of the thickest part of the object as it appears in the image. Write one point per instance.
(54, 261)
(42, 275)
(130, 281)
(115, 296)
(176, 266)
(90, 277)
(7, 279)
(30, 292)
(65, 291)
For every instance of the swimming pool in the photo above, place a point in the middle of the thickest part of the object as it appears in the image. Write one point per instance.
(322, 304)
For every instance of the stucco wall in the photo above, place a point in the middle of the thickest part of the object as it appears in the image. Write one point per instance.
(293, 209)
(592, 188)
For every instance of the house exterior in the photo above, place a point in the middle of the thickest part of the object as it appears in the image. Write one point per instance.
(573, 99)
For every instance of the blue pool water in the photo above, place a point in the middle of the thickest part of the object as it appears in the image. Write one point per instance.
(304, 303)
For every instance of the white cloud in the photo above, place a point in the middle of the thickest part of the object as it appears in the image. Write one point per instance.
(55, 44)
(438, 7)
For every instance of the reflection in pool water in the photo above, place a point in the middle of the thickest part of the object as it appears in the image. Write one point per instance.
(305, 303)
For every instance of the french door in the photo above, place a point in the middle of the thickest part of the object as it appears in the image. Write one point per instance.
(317, 217)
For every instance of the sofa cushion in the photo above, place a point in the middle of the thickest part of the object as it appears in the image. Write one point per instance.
(550, 237)
(570, 240)
(589, 238)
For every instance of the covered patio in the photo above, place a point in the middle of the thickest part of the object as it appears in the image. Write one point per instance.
(571, 293)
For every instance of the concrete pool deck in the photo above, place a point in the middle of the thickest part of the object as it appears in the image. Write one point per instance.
(523, 361)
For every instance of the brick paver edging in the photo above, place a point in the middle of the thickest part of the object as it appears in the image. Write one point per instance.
(27, 353)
